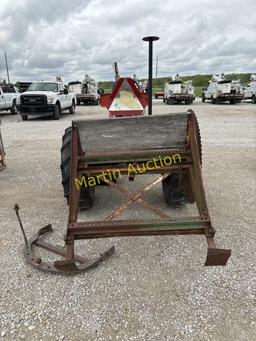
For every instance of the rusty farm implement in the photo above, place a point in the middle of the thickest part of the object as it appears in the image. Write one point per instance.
(97, 146)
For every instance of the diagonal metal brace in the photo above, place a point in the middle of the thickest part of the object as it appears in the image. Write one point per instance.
(136, 199)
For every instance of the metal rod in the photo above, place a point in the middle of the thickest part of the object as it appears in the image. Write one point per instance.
(136, 198)
(7, 70)
(116, 71)
(58, 250)
(150, 40)
(16, 209)
(156, 66)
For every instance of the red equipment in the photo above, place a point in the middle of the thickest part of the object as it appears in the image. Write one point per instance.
(125, 100)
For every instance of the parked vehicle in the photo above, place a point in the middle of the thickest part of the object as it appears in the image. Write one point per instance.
(86, 92)
(177, 91)
(143, 86)
(46, 98)
(23, 86)
(159, 94)
(222, 90)
(250, 90)
(8, 98)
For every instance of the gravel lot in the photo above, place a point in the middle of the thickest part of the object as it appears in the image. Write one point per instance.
(153, 288)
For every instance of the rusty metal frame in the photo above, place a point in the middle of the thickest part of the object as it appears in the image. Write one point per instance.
(2, 153)
(164, 225)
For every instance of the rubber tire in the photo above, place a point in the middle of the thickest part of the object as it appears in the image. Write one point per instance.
(253, 99)
(170, 101)
(87, 195)
(213, 101)
(173, 196)
(14, 110)
(56, 114)
(203, 98)
(24, 117)
(72, 109)
(232, 101)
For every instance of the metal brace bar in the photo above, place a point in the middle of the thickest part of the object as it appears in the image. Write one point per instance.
(136, 198)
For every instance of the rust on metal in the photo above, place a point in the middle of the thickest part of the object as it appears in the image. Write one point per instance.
(2, 153)
(107, 145)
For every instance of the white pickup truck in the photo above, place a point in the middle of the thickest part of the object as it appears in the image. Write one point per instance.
(46, 98)
(9, 97)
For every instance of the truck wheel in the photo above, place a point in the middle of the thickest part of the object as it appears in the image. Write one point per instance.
(254, 99)
(24, 117)
(203, 98)
(213, 100)
(14, 109)
(173, 194)
(56, 114)
(177, 188)
(72, 109)
(87, 194)
(232, 101)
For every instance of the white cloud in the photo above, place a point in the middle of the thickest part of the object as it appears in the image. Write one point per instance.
(74, 37)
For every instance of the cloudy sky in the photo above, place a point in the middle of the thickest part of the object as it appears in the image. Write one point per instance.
(44, 38)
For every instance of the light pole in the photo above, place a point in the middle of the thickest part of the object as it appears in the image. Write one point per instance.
(150, 40)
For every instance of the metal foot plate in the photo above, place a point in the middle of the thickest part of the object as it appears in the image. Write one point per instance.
(217, 257)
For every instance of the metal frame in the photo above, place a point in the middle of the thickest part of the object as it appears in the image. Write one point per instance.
(2, 153)
(190, 166)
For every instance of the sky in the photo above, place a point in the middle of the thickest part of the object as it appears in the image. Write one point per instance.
(71, 38)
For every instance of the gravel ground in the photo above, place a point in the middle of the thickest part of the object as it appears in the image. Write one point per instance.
(153, 288)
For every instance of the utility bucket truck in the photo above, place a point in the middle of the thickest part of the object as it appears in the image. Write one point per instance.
(86, 92)
(222, 90)
(177, 91)
(250, 90)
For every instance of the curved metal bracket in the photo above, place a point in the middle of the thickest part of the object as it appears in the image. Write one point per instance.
(61, 266)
